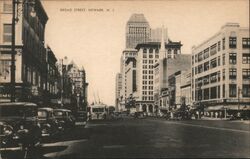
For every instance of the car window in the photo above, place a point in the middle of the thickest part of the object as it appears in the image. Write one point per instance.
(42, 114)
(58, 113)
(20, 111)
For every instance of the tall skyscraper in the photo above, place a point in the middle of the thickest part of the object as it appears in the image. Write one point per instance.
(137, 30)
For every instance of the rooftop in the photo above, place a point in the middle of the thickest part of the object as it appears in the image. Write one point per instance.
(138, 18)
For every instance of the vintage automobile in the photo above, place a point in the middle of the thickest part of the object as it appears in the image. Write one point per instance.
(19, 127)
(139, 115)
(81, 116)
(49, 124)
(65, 118)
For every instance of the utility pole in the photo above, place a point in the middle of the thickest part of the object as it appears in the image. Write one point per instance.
(62, 83)
(13, 54)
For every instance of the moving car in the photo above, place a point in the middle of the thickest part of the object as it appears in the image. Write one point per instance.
(49, 124)
(81, 116)
(19, 127)
(65, 118)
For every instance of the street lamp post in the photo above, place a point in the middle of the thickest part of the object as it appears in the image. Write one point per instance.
(13, 53)
(62, 79)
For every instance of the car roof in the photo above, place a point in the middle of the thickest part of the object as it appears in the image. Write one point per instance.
(63, 110)
(19, 104)
(46, 108)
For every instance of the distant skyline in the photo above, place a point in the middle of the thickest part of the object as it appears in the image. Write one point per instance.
(96, 39)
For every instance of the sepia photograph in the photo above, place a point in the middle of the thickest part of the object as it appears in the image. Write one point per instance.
(124, 79)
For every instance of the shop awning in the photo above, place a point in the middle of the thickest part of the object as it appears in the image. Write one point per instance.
(228, 107)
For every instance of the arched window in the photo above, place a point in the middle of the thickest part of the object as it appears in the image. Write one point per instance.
(169, 51)
(150, 50)
(144, 50)
(175, 51)
(157, 50)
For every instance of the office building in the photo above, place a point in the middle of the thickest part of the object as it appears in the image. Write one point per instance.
(221, 73)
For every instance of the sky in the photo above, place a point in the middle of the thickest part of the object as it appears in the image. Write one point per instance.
(92, 33)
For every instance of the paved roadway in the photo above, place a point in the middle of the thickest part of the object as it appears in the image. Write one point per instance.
(152, 138)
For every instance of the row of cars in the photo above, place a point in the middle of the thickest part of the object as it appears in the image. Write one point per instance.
(24, 125)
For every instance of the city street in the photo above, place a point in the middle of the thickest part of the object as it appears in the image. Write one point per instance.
(151, 138)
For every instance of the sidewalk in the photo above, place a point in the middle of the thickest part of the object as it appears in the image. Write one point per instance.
(226, 119)
(209, 118)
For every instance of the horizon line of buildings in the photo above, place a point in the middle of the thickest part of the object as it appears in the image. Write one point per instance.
(40, 76)
(155, 77)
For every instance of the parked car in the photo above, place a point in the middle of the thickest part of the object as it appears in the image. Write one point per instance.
(49, 124)
(117, 115)
(139, 115)
(19, 127)
(65, 118)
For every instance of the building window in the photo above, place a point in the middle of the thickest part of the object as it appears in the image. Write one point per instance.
(245, 74)
(157, 50)
(196, 70)
(5, 68)
(213, 63)
(200, 68)
(213, 77)
(223, 59)
(7, 32)
(144, 50)
(196, 58)
(232, 42)
(200, 57)
(156, 56)
(245, 43)
(246, 58)
(232, 58)
(175, 51)
(213, 93)
(232, 73)
(150, 50)
(169, 51)
(144, 56)
(218, 60)
(232, 90)
(246, 90)
(218, 92)
(206, 54)
(223, 43)
(206, 80)
(218, 76)
(134, 64)
(206, 66)
(213, 49)
(150, 56)
(206, 93)
(223, 90)
(223, 74)
(218, 46)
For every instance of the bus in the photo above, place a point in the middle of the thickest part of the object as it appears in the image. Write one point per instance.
(97, 112)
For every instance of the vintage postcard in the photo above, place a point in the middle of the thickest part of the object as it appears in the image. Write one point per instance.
(124, 79)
